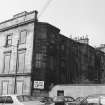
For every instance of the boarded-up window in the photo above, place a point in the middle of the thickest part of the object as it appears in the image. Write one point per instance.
(5, 87)
(19, 87)
(23, 35)
(7, 63)
(21, 61)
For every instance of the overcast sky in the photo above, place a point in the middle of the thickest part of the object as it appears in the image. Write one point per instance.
(72, 17)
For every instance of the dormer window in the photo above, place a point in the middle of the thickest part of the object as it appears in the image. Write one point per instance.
(23, 35)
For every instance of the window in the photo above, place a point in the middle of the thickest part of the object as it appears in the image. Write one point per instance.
(51, 63)
(21, 61)
(5, 87)
(39, 58)
(38, 64)
(62, 63)
(24, 98)
(7, 63)
(43, 49)
(60, 93)
(62, 47)
(9, 40)
(19, 87)
(23, 35)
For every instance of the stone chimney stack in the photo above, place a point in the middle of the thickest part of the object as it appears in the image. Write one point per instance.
(36, 15)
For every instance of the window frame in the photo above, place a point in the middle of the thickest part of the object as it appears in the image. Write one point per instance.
(9, 39)
(40, 61)
(21, 52)
(20, 37)
(7, 54)
(60, 92)
(5, 81)
(22, 84)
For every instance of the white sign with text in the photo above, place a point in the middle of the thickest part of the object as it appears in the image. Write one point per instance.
(38, 84)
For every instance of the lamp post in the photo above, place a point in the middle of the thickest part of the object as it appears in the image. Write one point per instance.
(15, 84)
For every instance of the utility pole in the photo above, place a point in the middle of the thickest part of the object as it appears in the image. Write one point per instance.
(15, 84)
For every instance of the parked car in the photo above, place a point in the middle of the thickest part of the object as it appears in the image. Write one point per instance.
(63, 100)
(19, 100)
(68, 100)
(96, 99)
(76, 101)
(59, 100)
(79, 99)
(46, 100)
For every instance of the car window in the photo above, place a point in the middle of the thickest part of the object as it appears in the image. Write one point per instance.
(91, 101)
(20, 98)
(27, 98)
(69, 99)
(79, 99)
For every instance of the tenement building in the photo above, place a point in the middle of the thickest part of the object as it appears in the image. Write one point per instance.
(34, 57)
(25, 47)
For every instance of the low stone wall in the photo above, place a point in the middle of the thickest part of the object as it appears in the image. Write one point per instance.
(78, 90)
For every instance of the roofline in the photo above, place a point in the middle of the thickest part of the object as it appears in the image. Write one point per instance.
(16, 17)
(49, 25)
(16, 25)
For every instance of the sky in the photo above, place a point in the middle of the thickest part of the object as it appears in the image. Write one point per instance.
(74, 18)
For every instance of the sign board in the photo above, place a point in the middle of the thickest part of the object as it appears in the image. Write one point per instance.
(38, 84)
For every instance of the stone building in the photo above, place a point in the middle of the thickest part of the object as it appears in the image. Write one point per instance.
(80, 63)
(34, 57)
(24, 44)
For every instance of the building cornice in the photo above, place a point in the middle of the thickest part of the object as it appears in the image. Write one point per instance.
(17, 21)
(16, 25)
